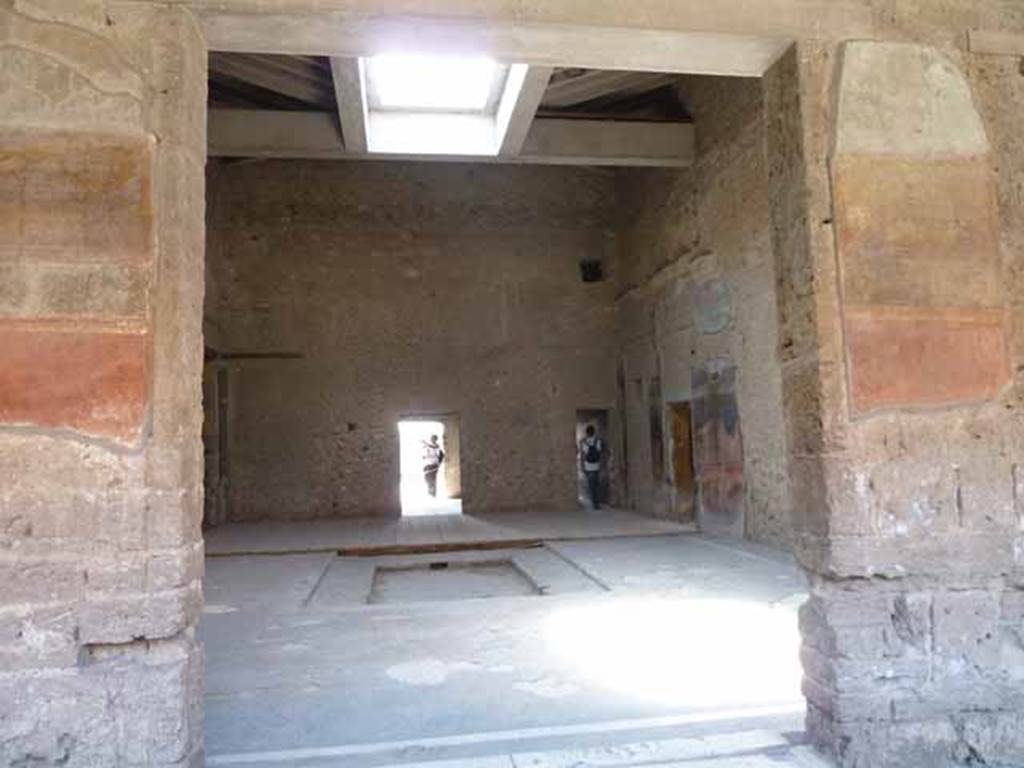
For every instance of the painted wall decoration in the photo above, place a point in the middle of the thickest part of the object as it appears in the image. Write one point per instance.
(77, 251)
(718, 448)
(712, 305)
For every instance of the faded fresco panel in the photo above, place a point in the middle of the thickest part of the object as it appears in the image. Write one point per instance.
(76, 257)
(918, 253)
(92, 382)
(917, 233)
(75, 197)
(902, 357)
(718, 449)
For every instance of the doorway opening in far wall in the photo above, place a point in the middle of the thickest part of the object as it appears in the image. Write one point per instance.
(430, 476)
(684, 478)
(598, 419)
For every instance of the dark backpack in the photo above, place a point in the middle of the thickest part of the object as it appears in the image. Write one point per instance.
(593, 454)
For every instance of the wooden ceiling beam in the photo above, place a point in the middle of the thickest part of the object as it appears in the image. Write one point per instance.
(569, 91)
(314, 135)
(293, 66)
(524, 90)
(350, 92)
(247, 70)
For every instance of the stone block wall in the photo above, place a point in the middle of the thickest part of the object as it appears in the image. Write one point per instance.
(389, 290)
(698, 280)
(903, 397)
(102, 145)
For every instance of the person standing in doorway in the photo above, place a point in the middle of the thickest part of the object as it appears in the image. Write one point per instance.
(432, 458)
(591, 456)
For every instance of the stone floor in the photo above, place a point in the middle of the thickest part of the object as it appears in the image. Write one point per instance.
(670, 649)
(360, 535)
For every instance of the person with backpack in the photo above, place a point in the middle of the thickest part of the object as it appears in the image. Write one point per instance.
(591, 456)
(432, 458)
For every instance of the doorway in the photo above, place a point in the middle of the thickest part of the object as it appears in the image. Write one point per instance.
(683, 476)
(469, 667)
(216, 486)
(598, 419)
(422, 441)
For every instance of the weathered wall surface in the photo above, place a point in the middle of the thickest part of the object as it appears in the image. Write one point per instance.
(102, 143)
(913, 641)
(408, 289)
(698, 301)
(216, 478)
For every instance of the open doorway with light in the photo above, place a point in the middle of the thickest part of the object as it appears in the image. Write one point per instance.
(596, 421)
(430, 479)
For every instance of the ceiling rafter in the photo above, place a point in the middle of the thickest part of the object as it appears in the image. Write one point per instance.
(264, 72)
(266, 133)
(543, 115)
(350, 92)
(524, 90)
(570, 90)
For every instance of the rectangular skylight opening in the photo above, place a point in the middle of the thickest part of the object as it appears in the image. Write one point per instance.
(449, 84)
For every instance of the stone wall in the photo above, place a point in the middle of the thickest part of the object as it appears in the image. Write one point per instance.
(216, 478)
(698, 305)
(396, 289)
(911, 242)
(102, 144)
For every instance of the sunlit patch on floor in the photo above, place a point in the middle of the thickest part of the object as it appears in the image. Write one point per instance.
(681, 652)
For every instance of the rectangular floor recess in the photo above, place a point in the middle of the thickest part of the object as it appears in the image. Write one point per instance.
(444, 580)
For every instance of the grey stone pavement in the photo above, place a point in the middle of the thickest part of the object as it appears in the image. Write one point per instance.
(661, 650)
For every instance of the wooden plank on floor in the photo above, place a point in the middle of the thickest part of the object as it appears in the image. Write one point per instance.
(416, 549)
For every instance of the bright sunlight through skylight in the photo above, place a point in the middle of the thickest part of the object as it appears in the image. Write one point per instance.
(435, 83)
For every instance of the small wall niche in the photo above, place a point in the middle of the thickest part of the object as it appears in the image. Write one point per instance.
(591, 271)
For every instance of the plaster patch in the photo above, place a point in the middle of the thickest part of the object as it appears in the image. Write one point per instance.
(913, 232)
(427, 672)
(898, 98)
(218, 609)
(73, 197)
(547, 688)
(40, 639)
(1012, 655)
